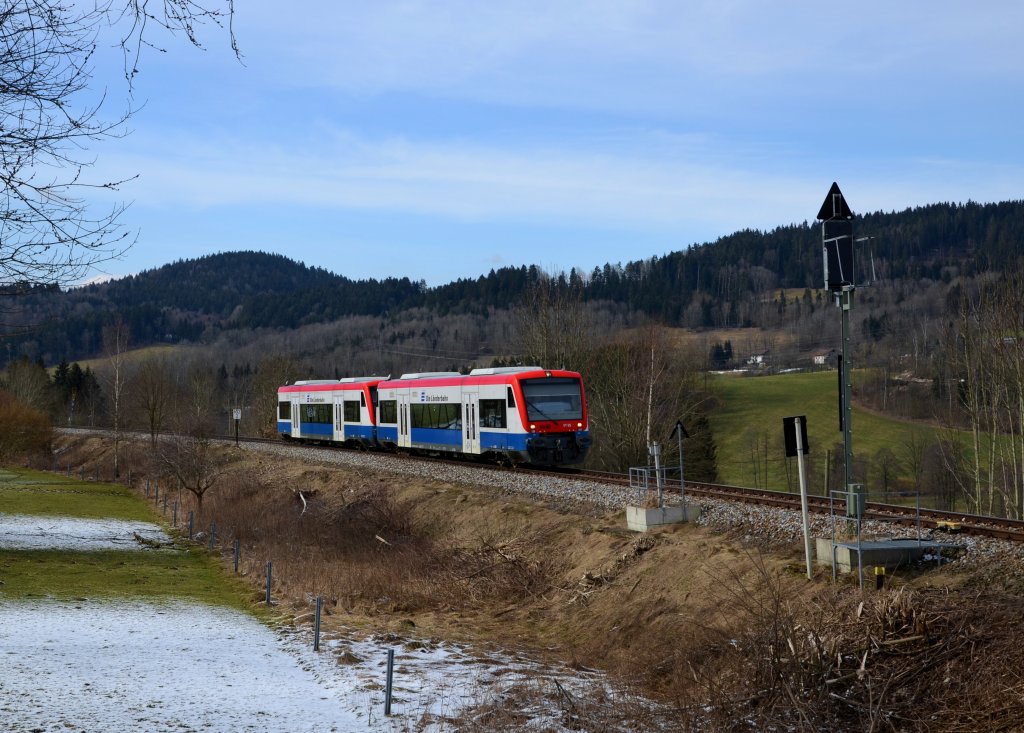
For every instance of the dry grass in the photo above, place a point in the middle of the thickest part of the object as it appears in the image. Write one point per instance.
(723, 635)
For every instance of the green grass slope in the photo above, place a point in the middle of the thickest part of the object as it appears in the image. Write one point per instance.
(748, 428)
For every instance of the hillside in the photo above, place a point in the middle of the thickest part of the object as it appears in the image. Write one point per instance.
(728, 283)
(748, 426)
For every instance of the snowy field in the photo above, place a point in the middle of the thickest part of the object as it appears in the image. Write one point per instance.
(29, 532)
(92, 665)
(97, 666)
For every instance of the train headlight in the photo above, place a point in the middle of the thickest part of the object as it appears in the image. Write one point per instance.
(579, 425)
(533, 428)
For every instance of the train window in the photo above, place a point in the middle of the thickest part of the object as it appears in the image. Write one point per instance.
(492, 414)
(351, 411)
(511, 401)
(362, 399)
(553, 398)
(317, 414)
(388, 411)
(437, 416)
(284, 410)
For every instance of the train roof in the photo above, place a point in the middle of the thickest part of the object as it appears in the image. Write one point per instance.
(326, 385)
(499, 375)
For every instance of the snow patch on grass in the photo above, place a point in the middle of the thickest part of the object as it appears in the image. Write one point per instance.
(31, 532)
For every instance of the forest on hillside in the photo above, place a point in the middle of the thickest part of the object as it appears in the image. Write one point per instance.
(734, 282)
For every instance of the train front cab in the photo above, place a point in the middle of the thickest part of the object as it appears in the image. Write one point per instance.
(553, 413)
(525, 415)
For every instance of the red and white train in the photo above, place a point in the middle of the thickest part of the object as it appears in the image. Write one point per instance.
(517, 414)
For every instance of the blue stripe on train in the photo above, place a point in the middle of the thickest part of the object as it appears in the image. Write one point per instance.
(437, 438)
(316, 430)
(359, 432)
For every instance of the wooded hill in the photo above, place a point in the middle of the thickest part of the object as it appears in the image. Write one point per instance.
(721, 284)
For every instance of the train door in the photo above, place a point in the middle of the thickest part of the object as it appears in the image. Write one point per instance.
(296, 419)
(404, 429)
(470, 421)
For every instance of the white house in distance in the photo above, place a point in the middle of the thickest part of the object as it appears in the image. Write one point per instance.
(758, 360)
(824, 358)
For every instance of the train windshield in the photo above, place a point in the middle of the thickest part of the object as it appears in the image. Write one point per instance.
(553, 398)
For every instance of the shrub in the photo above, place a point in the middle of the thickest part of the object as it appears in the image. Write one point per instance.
(26, 429)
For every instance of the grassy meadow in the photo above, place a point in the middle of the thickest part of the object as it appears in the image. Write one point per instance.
(180, 571)
(47, 494)
(748, 428)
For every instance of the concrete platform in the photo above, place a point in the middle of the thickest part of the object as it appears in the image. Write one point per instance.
(890, 554)
(641, 519)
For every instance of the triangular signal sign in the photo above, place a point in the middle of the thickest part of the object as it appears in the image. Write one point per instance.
(834, 206)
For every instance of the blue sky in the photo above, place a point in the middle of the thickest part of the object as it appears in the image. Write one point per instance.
(438, 140)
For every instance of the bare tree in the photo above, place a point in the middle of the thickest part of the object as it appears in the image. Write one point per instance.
(271, 373)
(627, 392)
(986, 354)
(153, 391)
(887, 468)
(193, 461)
(52, 113)
(115, 344)
(29, 382)
(552, 326)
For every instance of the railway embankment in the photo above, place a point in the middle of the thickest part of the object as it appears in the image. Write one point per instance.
(714, 619)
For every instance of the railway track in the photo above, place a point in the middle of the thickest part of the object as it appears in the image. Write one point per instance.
(926, 519)
(912, 516)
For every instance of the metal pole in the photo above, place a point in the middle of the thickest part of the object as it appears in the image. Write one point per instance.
(803, 496)
(682, 482)
(213, 535)
(845, 304)
(237, 552)
(316, 625)
(191, 519)
(174, 514)
(270, 579)
(659, 477)
(165, 505)
(387, 687)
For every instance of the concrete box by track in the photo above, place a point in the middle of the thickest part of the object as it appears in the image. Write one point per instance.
(888, 553)
(641, 519)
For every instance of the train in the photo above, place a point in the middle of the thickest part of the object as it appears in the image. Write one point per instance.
(518, 415)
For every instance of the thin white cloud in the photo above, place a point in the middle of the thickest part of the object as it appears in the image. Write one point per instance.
(466, 181)
(643, 55)
(663, 186)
